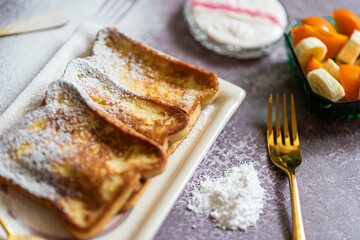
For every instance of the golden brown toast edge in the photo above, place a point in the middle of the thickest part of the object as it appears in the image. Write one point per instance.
(136, 195)
(193, 118)
(115, 39)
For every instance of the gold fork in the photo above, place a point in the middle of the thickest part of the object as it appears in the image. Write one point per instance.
(284, 152)
(13, 236)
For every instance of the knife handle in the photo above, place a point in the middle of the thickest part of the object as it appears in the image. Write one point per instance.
(51, 19)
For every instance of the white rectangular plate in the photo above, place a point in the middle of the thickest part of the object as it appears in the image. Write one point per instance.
(143, 221)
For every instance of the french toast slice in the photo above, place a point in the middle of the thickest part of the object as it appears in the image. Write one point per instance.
(154, 74)
(156, 120)
(74, 158)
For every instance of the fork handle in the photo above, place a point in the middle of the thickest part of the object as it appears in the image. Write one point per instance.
(7, 229)
(298, 226)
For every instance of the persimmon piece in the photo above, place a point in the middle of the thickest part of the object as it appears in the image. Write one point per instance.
(319, 22)
(350, 80)
(346, 21)
(333, 41)
(313, 64)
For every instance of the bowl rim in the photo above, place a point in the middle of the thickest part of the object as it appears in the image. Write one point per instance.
(228, 49)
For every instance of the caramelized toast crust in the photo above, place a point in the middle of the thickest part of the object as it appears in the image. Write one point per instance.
(76, 159)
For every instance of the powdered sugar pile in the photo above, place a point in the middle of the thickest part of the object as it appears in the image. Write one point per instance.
(234, 201)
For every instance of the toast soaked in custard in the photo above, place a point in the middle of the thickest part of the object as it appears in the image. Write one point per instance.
(71, 156)
(156, 120)
(154, 74)
(146, 71)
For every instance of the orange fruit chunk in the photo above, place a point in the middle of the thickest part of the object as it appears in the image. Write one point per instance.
(346, 21)
(313, 64)
(333, 41)
(350, 80)
(319, 22)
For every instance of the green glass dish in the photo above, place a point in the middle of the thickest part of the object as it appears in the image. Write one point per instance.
(319, 106)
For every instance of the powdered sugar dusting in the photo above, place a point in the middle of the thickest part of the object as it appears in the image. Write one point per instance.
(38, 140)
(141, 113)
(234, 201)
(89, 77)
(134, 71)
(107, 58)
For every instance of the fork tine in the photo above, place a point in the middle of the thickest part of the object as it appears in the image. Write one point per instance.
(278, 132)
(293, 122)
(126, 7)
(112, 13)
(103, 5)
(104, 8)
(286, 126)
(270, 137)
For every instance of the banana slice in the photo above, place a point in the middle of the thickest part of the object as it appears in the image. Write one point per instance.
(351, 50)
(332, 68)
(310, 47)
(322, 83)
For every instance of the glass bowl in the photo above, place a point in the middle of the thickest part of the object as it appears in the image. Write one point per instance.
(226, 49)
(319, 106)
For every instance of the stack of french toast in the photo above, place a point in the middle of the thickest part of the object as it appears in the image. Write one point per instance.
(104, 130)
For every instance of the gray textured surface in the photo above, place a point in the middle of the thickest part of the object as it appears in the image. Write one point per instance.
(329, 179)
